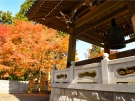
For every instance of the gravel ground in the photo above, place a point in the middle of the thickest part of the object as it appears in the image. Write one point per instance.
(24, 97)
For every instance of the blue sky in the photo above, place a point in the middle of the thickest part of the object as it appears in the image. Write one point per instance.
(14, 6)
(11, 5)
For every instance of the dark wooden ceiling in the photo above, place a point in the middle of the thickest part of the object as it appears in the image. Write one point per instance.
(91, 18)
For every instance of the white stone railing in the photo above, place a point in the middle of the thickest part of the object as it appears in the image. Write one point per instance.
(90, 73)
(121, 70)
(107, 72)
(61, 75)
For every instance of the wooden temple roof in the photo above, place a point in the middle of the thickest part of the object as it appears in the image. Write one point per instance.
(91, 18)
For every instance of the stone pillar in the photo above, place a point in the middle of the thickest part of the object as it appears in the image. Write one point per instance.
(72, 72)
(105, 72)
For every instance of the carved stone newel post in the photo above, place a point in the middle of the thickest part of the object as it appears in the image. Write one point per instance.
(105, 72)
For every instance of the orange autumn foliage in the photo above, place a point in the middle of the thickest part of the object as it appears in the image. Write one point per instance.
(25, 45)
(94, 52)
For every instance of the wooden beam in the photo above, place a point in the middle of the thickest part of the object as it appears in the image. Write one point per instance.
(130, 40)
(89, 41)
(77, 6)
(83, 12)
(107, 5)
(132, 13)
(96, 23)
(40, 18)
(96, 35)
(102, 30)
(106, 48)
(128, 32)
(34, 8)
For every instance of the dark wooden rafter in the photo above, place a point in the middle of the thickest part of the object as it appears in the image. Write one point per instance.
(50, 23)
(126, 32)
(34, 8)
(49, 18)
(40, 15)
(89, 41)
(48, 6)
(78, 6)
(130, 40)
(101, 30)
(96, 23)
(96, 35)
(49, 3)
(120, 20)
(96, 12)
(55, 24)
(83, 12)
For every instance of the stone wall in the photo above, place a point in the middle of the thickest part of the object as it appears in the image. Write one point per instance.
(64, 94)
(7, 86)
(92, 92)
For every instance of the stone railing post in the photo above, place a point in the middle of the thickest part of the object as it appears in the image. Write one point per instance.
(52, 79)
(72, 72)
(105, 72)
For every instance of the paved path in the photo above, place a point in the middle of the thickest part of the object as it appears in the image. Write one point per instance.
(24, 97)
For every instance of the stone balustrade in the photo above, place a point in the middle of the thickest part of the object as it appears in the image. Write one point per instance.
(108, 80)
(106, 72)
(61, 75)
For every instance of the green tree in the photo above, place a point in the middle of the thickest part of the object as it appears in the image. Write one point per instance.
(23, 9)
(6, 17)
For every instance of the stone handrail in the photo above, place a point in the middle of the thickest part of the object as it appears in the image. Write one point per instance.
(61, 75)
(105, 72)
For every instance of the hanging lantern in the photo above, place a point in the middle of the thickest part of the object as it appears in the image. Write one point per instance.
(115, 37)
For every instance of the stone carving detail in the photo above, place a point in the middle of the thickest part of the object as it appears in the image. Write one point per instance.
(106, 96)
(73, 93)
(83, 94)
(126, 71)
(61, 76)
(90, 74)
(95, 96)
(119, 98)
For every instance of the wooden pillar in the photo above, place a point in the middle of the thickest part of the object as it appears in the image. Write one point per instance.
(106, 48)
(71, 47)
(132, 13)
